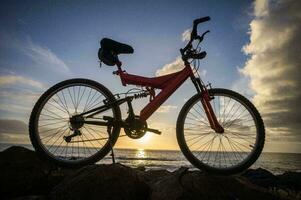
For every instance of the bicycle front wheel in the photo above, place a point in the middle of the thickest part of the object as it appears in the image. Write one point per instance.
(50, 123)
(224, 153)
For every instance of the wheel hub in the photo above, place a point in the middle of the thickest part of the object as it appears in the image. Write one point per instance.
(76, 122)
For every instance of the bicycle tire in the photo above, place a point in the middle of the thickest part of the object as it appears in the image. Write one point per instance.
(34, 131)
(208, 167)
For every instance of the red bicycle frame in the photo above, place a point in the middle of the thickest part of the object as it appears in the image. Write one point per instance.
(168, 85)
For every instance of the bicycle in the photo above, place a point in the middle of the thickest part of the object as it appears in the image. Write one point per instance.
(77, 122)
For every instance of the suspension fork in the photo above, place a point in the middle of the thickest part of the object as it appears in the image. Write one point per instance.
(205, 100)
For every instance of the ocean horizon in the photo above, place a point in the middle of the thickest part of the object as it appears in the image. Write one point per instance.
(171, 160)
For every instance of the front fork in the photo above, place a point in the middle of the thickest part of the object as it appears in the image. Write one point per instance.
(205, 100)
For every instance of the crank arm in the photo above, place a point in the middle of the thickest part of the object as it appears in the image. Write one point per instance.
(154, 131)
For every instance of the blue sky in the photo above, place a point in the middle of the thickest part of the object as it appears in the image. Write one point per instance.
(44, 42)
(72, 32)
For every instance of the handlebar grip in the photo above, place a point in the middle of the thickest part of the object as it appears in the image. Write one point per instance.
(199, 55)
(201, 20)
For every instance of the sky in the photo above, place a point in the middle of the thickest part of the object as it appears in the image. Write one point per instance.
(252, 48)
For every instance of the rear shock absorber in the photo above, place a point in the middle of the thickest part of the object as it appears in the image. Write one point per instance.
(141, 95)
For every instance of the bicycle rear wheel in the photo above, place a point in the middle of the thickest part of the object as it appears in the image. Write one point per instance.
(224, 153)
(50, 123)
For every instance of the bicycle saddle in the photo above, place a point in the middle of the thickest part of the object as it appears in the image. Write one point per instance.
(110, 49)
(116, 47)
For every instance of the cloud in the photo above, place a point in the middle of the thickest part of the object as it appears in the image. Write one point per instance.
(19, 102)
(166, 109)
(16, 79)
(44, 56)
(175, 66)
(40, 55)
(242, 85)
(18, 94)
(274, 65)
(172, 67)
(186, 35)
(13, 126)
(13, 131)
(15, 108)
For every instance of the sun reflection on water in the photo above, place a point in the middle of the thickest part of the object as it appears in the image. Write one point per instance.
(140, 153)
(141, 156)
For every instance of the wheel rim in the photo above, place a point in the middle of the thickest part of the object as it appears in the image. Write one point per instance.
(53, 123)
(228, 150)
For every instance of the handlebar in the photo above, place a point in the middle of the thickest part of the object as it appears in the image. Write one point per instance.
(201, 20)
(194, 35)
(196, 22)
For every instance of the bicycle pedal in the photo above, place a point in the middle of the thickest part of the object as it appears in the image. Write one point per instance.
(154, 131)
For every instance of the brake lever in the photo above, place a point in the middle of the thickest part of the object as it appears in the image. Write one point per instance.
(201, 38)
(205, 33)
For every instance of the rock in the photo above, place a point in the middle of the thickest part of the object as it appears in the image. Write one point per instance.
(261, 177)
(31, 197)
(113, 181)
(24, 173)
(184, 184)
(290, 180)
(264, 178)
(168, 186)
(151, 176)
(25, 177)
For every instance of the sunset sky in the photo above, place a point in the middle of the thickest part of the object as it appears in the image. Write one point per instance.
(253, 48)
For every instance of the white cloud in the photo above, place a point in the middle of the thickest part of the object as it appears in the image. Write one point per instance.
(172, 67)
(18, 94)
(16, 79)
(175, 66)
(39, 55)
(274, 65)
(261, 7)
(166, 109)
(14, 138)
(44, 56)
(15, 108)
(20, 101)
(186, 35)
(242, 85)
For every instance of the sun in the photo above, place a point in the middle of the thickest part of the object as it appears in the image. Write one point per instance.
(146, 138)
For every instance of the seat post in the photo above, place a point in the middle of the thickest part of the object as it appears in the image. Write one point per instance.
(118, 63)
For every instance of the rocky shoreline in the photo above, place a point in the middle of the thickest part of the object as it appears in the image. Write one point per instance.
(24, 176)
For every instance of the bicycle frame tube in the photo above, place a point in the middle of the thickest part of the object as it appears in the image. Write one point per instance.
(214, 124)
(168, 85)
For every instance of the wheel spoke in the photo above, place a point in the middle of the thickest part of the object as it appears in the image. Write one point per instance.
(53, 123)
(221, 150)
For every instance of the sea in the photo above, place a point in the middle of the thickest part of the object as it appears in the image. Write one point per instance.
(276, 163)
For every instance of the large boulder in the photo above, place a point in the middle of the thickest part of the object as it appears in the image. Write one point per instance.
(261, 177)
(24, 173)
(264, 178)
(183, 184)
(102, 182)
(290, 180)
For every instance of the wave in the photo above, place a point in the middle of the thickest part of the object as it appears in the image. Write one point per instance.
(149, 158)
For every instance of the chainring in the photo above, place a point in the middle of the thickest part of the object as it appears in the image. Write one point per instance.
(135, 128)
